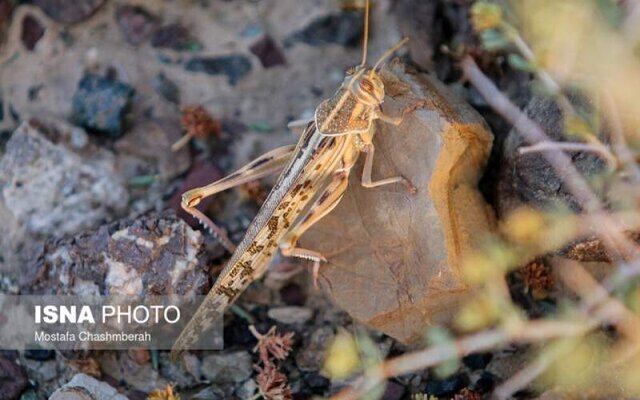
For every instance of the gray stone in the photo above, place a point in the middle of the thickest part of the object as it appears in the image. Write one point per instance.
(234, 66)
(53, 190)
(527, 179)
(310, 358)
(229, 367)
(247, 390)
(291, 315)
(84, 387)
(100, 104)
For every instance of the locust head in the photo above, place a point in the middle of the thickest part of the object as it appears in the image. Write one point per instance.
(367, 87)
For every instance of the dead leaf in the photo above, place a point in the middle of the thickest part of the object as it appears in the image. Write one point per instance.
(394, 258)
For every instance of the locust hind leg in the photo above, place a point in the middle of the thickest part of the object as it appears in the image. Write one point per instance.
(323, 206)
(267, 164)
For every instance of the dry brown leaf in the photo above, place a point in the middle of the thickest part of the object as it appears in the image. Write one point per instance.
(394, 258)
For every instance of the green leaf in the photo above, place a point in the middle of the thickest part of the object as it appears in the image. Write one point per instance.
(493, 39)
(519, 63)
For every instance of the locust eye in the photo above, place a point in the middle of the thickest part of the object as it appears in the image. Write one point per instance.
(351, 71)
(366, 85)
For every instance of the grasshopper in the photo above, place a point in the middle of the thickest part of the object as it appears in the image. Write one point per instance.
(313, 180)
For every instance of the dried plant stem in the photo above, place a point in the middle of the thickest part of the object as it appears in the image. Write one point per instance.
(571, 146)
(526, 332)
(617, 138)
(529, 373)
(610, 232)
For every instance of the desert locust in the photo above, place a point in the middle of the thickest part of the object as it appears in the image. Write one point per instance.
(313, 180)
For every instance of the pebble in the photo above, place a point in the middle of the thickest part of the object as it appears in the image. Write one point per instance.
(166, 88)
(293, 295)
(343, 28)
(136, 23)
(32, 32)
(247, 389)
(267, 50)
(447, 386)
(69, 12)
(100, 104)
(13, 379)
(174, 37)
(393, 391)
(311, 357)
(209, 393)
(316, 382)
(84, 387)
(234, 66)
(291, 315)
(227, 367)
(477, 360)
(40, 354)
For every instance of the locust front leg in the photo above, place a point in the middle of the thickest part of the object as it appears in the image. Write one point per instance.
(321, 207)
(267, 164)
(369, 149)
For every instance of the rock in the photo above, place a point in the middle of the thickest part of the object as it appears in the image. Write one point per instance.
(527, 179)
(268, 52)
(407, 249)
(227, 367)
(41, 371)
(343, 28)
(210, 393)
(136, 23)
(477, 361)
(311, 356)
(176, 373)
(69, 12)
(447, 386)
(316, 381)
(140, 377)
(13, 379)
(53, 190)
(152, 255)
(166, 88)
(234, 66)
(100, 104)
(247, 389)
(393, 391)
(175, 37)
(32, 31)
(40, 355)
(84, 387)
(291, 315)
(293, 295)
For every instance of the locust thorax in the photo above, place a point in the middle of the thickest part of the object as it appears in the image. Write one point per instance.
(367, 87)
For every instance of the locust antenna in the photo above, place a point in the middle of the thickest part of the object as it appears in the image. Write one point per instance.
(366, 33)
(390, 52)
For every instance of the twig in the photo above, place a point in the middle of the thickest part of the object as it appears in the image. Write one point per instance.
(527, 332)
(571, 146)
(610, 232)
(618, 142)
(529, 373)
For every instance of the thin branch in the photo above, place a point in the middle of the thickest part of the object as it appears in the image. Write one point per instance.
(528, 332)
(571, 146)
(610, 232)
(618, 141)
